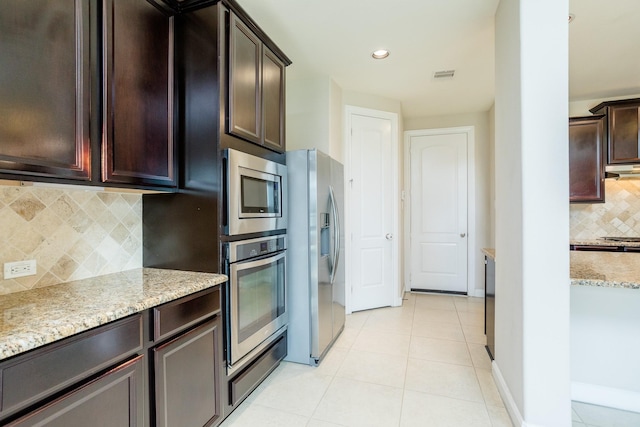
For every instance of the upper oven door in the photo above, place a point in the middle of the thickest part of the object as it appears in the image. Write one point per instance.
(256, 194)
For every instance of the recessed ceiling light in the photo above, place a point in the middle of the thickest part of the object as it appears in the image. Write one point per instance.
(571, 17)
(380, 53)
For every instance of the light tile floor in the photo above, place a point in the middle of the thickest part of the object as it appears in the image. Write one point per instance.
(422, 364)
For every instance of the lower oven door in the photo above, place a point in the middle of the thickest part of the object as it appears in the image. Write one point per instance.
(257, 302)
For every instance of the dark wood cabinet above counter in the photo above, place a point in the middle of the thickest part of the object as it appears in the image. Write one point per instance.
(623, 130)
(87, 94)
(90, 92)
(586, 159)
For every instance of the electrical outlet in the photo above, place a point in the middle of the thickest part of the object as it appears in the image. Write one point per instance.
(19, 269)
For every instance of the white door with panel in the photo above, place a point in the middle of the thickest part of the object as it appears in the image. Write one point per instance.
(371, 204)
(438, 256)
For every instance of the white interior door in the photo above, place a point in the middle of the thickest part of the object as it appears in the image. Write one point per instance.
(439, 212)
(371, 220)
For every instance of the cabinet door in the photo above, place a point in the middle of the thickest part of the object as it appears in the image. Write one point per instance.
(45, 89)
(244, 108)
(273, 100)
(187, 381)
(586, 159)
(138, 144)
(115, 399)
(623, 134)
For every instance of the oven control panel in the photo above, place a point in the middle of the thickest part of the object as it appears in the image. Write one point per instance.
(246, 249)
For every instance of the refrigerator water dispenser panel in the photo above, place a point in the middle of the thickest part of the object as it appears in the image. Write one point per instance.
(325, 235)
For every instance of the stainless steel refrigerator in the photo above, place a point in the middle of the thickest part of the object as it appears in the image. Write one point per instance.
(315, 256)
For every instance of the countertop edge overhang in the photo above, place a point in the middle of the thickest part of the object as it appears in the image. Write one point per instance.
(591, 263)
(41, 316)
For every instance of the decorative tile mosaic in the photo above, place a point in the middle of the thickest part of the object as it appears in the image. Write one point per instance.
(71, 233)
(618, 216)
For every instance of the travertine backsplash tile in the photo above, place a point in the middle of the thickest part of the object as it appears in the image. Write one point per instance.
(618, 216)
(71, 233)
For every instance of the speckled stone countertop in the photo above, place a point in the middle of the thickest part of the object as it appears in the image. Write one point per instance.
(602, 242)
(605, 269)
(41, 316)
(490, 252)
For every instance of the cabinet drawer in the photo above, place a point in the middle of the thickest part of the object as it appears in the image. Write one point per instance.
(180, 314)
(34, 376)
(113, 399)
(254, 374)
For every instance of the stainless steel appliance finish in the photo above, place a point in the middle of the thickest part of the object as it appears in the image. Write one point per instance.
(256, 194)
(256, 299)
(315, 269)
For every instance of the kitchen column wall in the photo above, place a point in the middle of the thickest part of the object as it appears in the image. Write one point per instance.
(532, 365)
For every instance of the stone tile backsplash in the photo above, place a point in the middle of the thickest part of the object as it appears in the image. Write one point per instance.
(618, 216)
(71, 233)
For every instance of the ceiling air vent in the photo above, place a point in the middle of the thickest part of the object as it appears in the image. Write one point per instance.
(446, 74)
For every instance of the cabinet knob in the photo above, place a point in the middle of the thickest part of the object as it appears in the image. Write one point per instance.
(463, 234)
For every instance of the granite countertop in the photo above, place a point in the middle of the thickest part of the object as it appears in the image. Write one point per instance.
(490, 252)
(33, 318)
(602, 242)
(605, 269)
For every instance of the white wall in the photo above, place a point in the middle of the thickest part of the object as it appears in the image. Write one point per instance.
(605, 344)
(482, 224)
(532, 213)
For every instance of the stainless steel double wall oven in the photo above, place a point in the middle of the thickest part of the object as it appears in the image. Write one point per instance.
(254, 250)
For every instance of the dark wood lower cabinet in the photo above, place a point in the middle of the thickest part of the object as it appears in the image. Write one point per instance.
(160, 367)
(114, 399)
(187, 378)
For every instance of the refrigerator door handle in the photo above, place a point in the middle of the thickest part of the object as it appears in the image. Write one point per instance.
(336, 234)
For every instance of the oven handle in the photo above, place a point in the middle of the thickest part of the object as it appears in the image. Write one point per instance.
(258, 261)
(336, 235)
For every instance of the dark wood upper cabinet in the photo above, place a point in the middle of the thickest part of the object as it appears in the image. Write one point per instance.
(138, 140)
(245, 74)
(45, 88)
(256, 89)
(623, 133)
(586, 159)
(273, 92)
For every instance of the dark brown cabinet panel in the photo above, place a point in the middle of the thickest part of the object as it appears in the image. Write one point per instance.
(586, 159)
(244, 82)
(138, 142)
(623, 133)
(256, 89)
(114, 399)
(187, 378)
(273, 100)
(45, 88)
(67, 362)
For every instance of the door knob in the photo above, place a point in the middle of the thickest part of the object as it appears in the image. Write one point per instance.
(462, 234)
(389, 236)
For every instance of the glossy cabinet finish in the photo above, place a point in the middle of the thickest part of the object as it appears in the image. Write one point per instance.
(69, 367)
(256, 89)
(586, 159)
(138, 142)
(45, 90)
(623, 133)
(112, 400)
(55, 124)
(187, 367)
(187, 377)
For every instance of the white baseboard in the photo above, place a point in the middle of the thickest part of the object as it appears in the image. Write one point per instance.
(605, 396)
(479, 293)
(507, 398)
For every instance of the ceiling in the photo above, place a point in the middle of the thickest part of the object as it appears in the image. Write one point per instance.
(335, 38)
